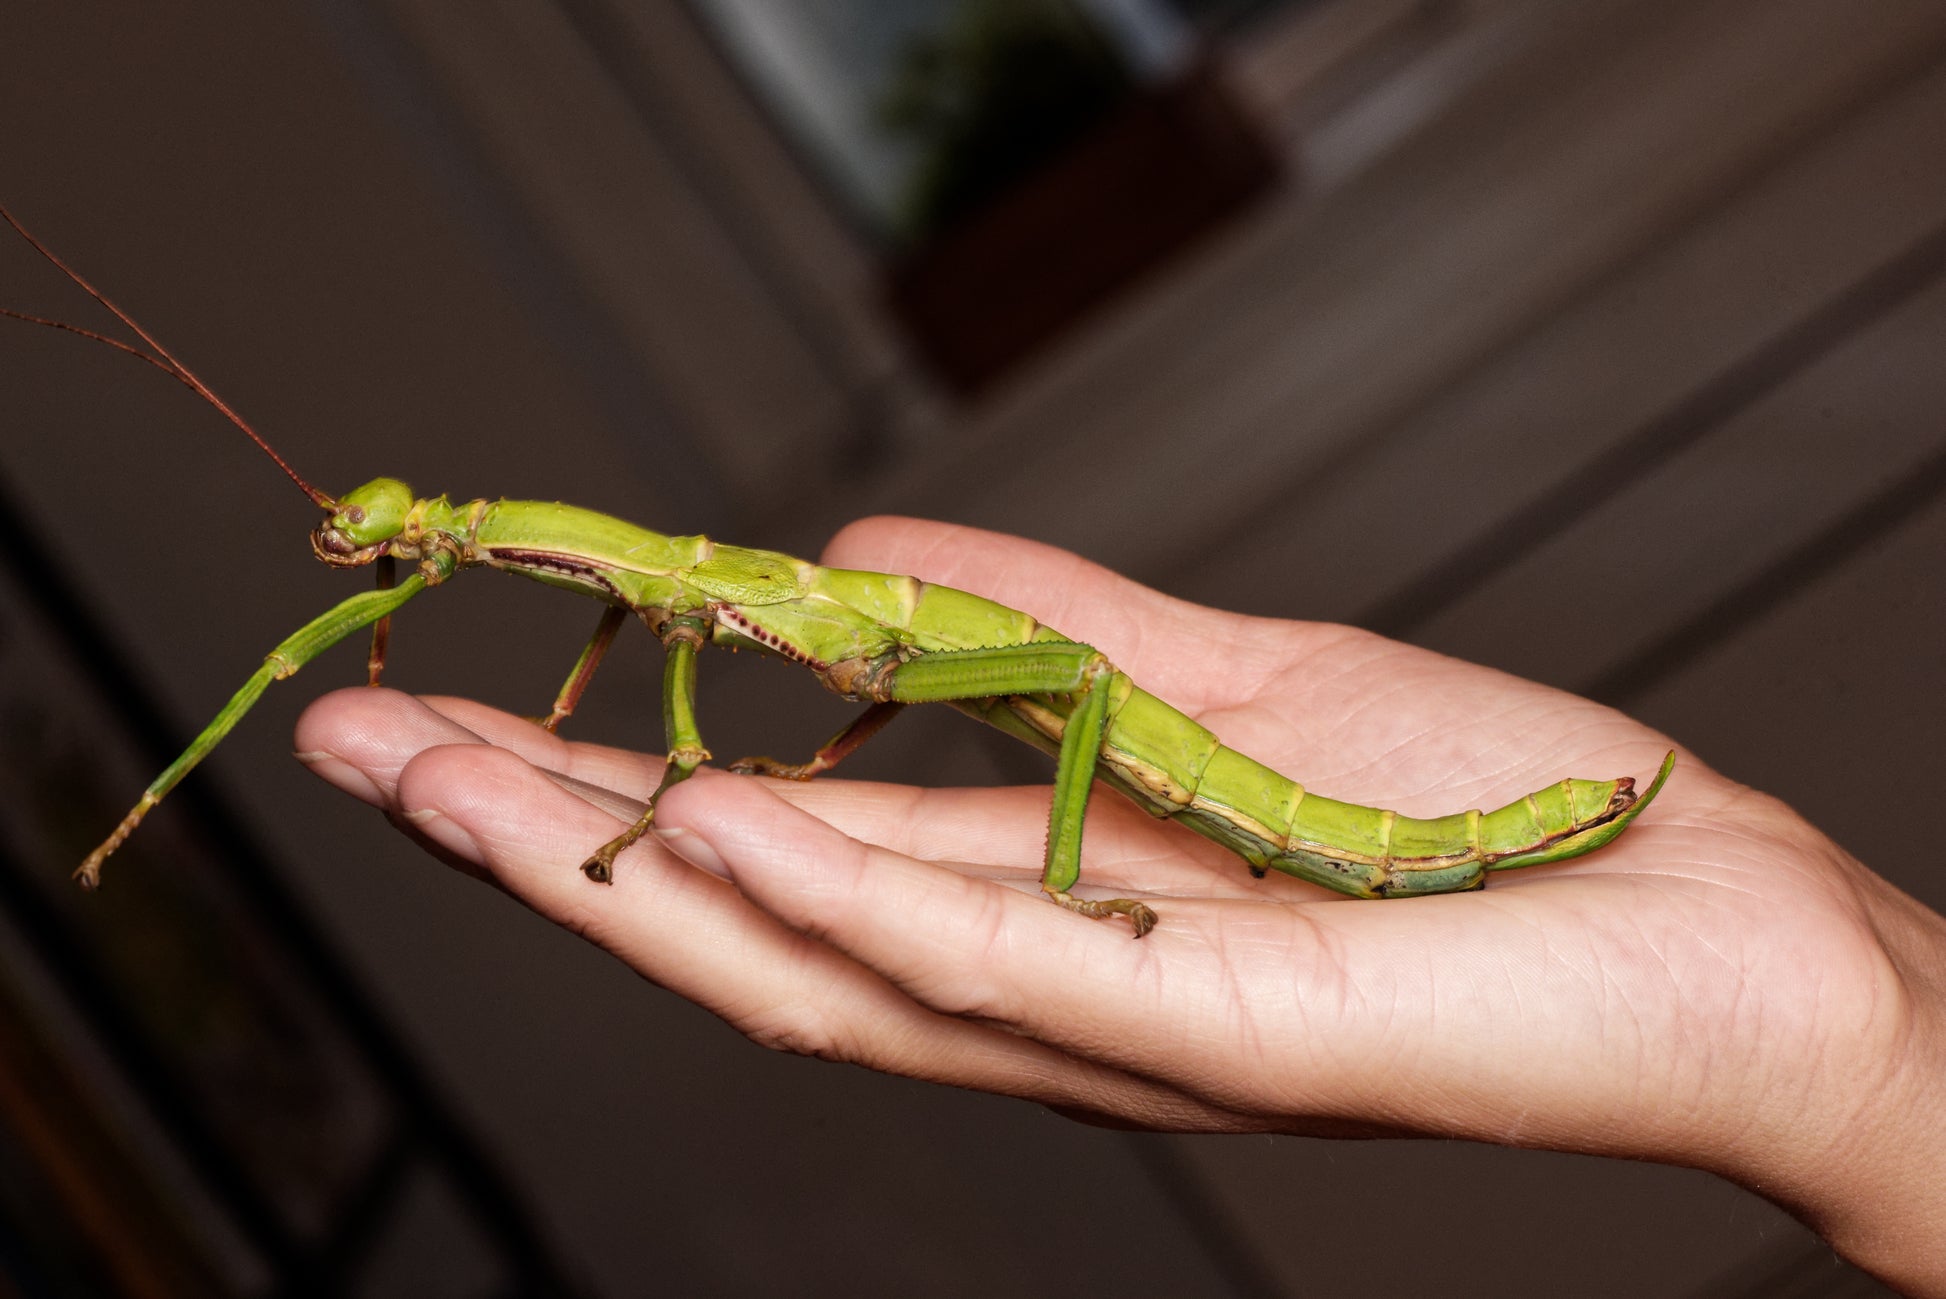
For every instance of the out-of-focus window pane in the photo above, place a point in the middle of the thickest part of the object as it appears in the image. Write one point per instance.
(918, 112)
(1016, 161)
(1220, 14)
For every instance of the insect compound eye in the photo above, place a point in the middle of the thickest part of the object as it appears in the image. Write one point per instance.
(356, 514)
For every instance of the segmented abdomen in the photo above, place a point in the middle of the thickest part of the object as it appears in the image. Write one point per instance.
(1176, 768)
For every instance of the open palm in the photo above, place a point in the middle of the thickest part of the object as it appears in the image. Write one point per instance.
(1721, 986)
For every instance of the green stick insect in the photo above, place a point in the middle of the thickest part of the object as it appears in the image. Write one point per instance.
(884, 641)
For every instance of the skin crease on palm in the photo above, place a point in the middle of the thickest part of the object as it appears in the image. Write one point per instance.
(1722, 987)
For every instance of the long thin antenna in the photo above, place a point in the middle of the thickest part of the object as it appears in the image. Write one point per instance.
(163, 359)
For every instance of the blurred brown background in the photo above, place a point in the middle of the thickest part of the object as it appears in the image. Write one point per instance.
(1598, 341)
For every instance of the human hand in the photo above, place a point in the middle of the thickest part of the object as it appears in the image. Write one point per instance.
(1721, 987)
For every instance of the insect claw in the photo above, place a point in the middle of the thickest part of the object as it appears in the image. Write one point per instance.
(1140, 918)
(601, 867)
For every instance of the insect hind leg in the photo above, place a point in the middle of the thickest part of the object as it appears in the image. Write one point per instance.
(1043, 667)
(834, 750)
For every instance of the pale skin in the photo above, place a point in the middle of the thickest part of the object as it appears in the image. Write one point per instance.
(1722, 987)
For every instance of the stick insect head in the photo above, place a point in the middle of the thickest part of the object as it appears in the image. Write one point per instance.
(361, 525)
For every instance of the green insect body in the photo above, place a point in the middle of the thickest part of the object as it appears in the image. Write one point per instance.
(888, 641)
(885, 641)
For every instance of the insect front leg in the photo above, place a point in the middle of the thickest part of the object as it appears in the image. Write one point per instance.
(385, 568)
(297, 649)
(682, 637)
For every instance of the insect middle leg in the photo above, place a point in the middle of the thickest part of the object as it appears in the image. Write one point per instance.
(584, 668)
(682, 638)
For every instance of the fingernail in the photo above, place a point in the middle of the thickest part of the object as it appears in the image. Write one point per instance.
(446, 832)
(694, 849)
(336, 771)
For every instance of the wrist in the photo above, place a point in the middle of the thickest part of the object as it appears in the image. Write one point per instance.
(1863, 1162)
(1883, 1205)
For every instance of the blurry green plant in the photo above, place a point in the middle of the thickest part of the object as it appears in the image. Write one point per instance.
(1007, 87)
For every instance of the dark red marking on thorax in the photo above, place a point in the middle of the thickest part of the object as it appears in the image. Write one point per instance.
(554, 562)
(735, 620)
